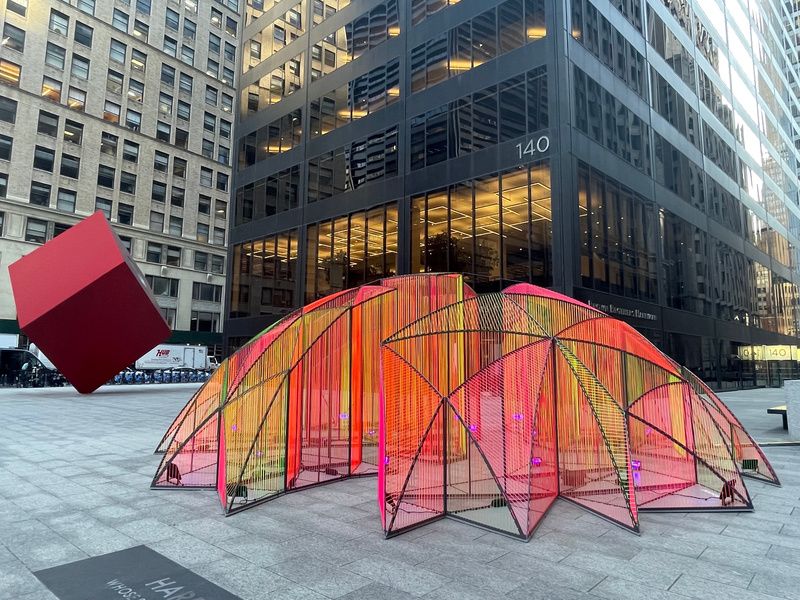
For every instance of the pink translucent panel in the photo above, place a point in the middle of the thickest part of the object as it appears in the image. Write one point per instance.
(544, 456)
(325, 406)
(610, 333)
(243, 360)
(196, 461)
(497, 410)
(205, 401)
(678, 443)
(412, 477)
(594, 469)
(747, 453)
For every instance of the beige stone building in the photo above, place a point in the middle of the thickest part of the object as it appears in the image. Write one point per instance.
(126, 107)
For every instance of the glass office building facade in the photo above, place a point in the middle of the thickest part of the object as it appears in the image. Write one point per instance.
(638, 155)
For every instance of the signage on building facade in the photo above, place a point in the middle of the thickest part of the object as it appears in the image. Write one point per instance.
(534, 147)
(621, 311)
(775, 352)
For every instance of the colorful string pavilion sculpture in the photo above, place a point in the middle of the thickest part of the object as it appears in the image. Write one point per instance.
(484, 408)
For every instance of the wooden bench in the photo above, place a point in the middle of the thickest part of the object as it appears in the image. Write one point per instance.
(779, 410)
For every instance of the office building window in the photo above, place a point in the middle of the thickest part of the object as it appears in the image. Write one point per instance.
(48, 124)
(83, 34)
(206, 177)
(108, 144)
(117, 52)
(125, 214)
(138, 61)
(169, 314)
(170, 46)
(127, 182)
(495, 229)
(161, 162)
(204, 321)
(70, 166)
(618, 244)
(6, 143)
(206, 292)
(164, 104)
(265, 273)
(13, 38)
(135, 90)
(181, 138)
(115, 81)
(184, 110)
(111, 112)
(141, 30)
(55, 56)
(103, 205)
(127, 243)
(51, 89)
(163, 131)
(9, 72)
(65, 200)
(179, 168)
(133, 119)
(217, 264)
(76, 99)
(130, 151)
(186, 83)
(357, 248)
(39, 194)
(73, 132)
(268, 196)
(176, 226)
(167, 75)
(43, 158)
(161, 286)
(80, 67)
(177, 196)
(8, 110)
(173, 20)
(59, 22)
(350, 167)
(86, 6)
(189, 30)
(106, 176)
(36, 231)
(200, 261)
(173, 256)
(156, 221)
(159, 192)
(18, 6)
(120, 20)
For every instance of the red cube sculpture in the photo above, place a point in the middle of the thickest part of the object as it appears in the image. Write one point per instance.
(86, 305)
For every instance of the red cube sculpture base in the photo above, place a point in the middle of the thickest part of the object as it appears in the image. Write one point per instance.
(86, 305)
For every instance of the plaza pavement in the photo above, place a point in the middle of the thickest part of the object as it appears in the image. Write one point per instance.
(74, 482)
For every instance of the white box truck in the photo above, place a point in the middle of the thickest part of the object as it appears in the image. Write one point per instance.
(174, 356)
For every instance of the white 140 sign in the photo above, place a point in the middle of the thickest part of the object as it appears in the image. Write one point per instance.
(534, 147)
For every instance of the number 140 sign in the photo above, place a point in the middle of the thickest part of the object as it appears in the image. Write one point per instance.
(534, 147)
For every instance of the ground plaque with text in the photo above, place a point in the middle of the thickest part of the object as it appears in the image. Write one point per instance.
(134, 574)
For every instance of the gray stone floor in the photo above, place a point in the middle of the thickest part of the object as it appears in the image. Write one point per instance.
(74, 482)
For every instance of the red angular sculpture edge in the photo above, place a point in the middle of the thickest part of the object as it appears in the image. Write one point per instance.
(81, 298)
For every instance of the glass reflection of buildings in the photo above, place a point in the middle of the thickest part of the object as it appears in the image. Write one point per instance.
(644, 162)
